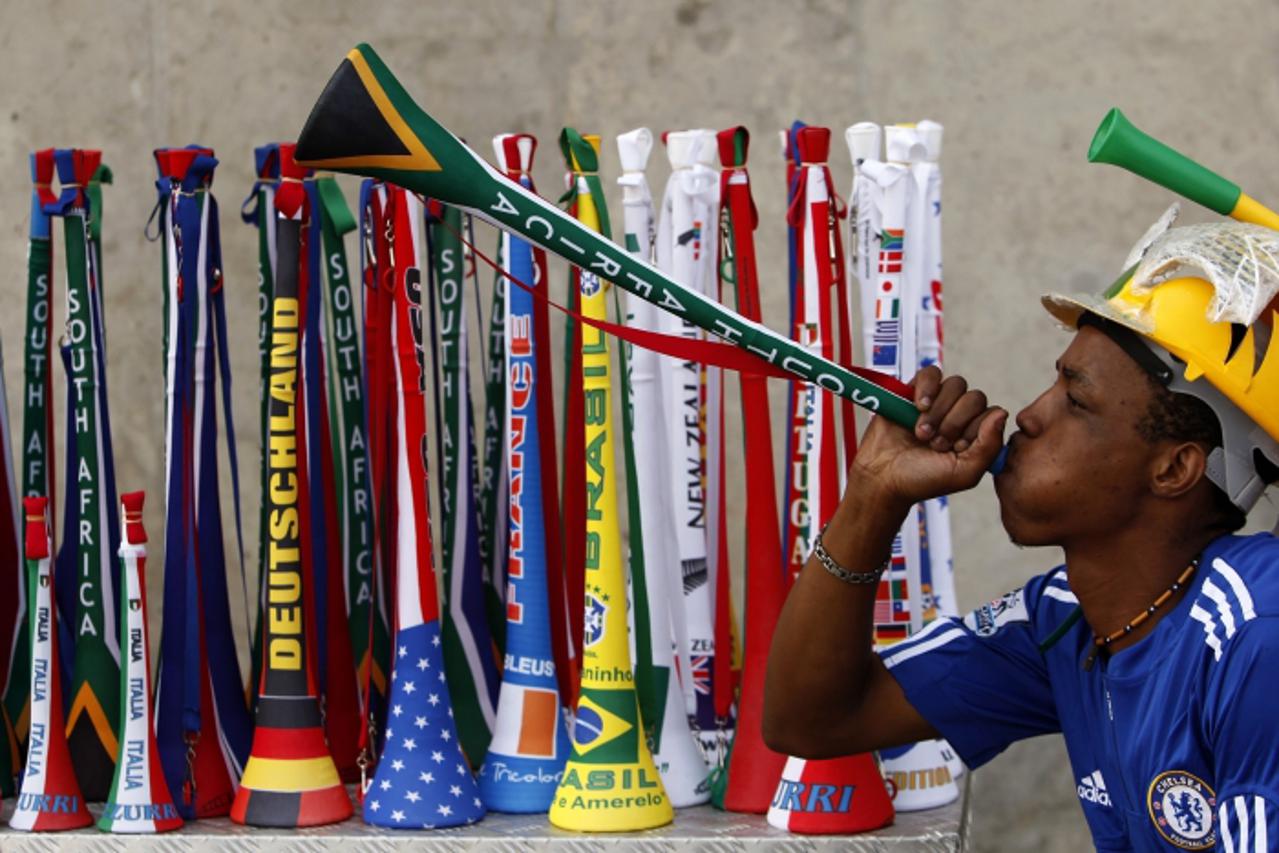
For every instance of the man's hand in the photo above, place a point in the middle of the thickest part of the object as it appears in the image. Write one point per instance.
(827, 693)
(955, 440)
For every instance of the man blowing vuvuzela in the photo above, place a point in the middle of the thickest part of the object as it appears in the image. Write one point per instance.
(1140, 461)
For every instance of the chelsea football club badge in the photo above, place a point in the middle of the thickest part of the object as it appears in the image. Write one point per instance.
(1182, 807)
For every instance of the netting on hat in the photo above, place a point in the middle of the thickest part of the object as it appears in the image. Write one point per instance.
(1240, 260)
(1153, 233)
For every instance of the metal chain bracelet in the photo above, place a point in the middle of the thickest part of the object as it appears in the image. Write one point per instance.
(834, 568)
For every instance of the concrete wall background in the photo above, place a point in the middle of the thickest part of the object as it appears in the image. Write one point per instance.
(1019, 88)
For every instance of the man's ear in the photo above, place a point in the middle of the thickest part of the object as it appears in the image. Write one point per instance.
(1178, 468)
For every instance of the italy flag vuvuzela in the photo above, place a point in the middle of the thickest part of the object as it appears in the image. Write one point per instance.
(49, 796)
(140, 800)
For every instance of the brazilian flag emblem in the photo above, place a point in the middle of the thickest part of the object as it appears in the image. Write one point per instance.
(605, 730)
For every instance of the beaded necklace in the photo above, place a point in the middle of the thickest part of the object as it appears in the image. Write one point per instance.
(1101, 644)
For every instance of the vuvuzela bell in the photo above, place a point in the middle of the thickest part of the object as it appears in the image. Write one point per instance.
(290, 779)
(748, 780)
(842, 794)
(422, 779)
(834, 795)
(140, 800)
(49, 798)
(203, 729)
(921, 773)
(525, 759)
(610, 783)
(654, 555)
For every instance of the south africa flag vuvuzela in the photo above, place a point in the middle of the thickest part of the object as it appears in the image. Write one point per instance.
(94, 686)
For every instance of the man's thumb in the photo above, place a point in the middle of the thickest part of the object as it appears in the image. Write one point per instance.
(990, 440)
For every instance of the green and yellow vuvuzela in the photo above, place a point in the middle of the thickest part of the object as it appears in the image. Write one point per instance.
(364, 123)
(1119, 143)
(610, 783)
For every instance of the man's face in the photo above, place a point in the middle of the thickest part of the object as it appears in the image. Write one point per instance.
(1077, 466)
